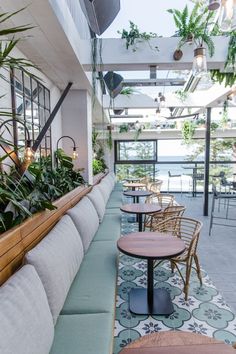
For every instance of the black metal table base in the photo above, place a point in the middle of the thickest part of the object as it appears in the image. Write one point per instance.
(162, 304)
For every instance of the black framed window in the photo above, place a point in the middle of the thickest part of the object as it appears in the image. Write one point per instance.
(31, 104)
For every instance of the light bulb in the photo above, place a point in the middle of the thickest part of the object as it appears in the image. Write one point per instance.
(227, 18)
(199, 62)
(74, 154)
(28, 153)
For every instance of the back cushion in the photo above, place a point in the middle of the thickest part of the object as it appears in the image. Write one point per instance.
(105, 189)
(57, 259)
(98, 202)
(109, 181)
(26, 325)
(86, 220)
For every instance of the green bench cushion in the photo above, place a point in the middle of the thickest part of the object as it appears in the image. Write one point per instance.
(109, 229)
(83, 334)
(115, 200)
(118, 187)
(94, 286)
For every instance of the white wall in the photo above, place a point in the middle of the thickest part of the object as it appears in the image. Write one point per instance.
(77, 123)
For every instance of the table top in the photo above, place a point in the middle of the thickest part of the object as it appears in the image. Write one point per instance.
(138, 194)
(134, 185)
(141, 208)
(177, 342)
(151, 245)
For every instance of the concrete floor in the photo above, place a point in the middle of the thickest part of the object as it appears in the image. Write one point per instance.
(217, 253)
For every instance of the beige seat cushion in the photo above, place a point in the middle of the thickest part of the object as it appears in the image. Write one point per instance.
(57, 259)
(26, 325)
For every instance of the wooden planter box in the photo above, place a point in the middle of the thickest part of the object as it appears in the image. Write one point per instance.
(20, 239)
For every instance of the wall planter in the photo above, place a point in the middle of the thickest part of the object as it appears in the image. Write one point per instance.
(16, 242)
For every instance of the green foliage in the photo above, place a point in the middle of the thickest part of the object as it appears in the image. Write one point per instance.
(229, 79)
(98, 167)
(225, 117)
(35, 191)
(8, 43)
(127, 91)
(192, 26)
(133, 36)
(231, 55)
(182, 95)
(124, 128)
(109, 140)
(188, 131)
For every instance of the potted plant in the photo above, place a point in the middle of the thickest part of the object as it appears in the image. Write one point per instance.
(124, 128)
(191, 28)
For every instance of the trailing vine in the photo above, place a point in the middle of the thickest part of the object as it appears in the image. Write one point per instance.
(231, 56)
(188, 131)
(134, 36)
(228, 79)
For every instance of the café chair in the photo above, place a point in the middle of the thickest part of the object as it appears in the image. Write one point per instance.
(169, 212)
(155, 187)
(164, 200)
(174, 176)
(226, 197)
(189, 231)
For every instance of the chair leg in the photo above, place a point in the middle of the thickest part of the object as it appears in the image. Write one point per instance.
(172, 265)
(199, 274)
(188, 274)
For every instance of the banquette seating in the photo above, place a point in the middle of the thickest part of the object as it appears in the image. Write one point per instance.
(62, 300)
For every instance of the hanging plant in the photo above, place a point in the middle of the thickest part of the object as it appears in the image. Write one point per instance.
(133, 36)
(225, 117)
(191, 27)
(181, 95)
(109, 140)
(124, 128)
(231, 56)
(229, 79)
(188, 130)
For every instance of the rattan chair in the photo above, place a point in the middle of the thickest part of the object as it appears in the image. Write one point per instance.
(146, 181)
(189, 231)
(155, 187)
(167, 213)
(164, 200)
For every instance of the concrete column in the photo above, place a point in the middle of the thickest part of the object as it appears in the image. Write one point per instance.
(77, 123)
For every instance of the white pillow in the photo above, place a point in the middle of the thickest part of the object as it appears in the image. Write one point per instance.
(86, 220)
(57, 260)
(105, 189)
(26, 325)
(95, 196)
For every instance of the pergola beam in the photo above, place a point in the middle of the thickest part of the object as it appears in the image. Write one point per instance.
(115, 57)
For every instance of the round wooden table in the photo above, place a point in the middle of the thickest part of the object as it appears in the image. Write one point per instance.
(139, 210)
(133, 186)
(177, 342)
(150, 246)
(137, 194)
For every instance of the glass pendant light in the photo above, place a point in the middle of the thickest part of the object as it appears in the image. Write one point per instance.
(28, 153)
(227, 18)
(199, 62)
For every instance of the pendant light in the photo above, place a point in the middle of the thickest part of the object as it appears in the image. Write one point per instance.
(199, 62)
(227, 18)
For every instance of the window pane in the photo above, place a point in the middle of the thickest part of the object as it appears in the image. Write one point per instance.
(136, 151)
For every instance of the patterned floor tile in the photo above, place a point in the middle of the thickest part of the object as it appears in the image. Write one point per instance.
(204, 312)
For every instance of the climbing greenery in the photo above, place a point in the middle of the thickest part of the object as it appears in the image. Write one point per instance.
(133, 36)
(188, 130)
